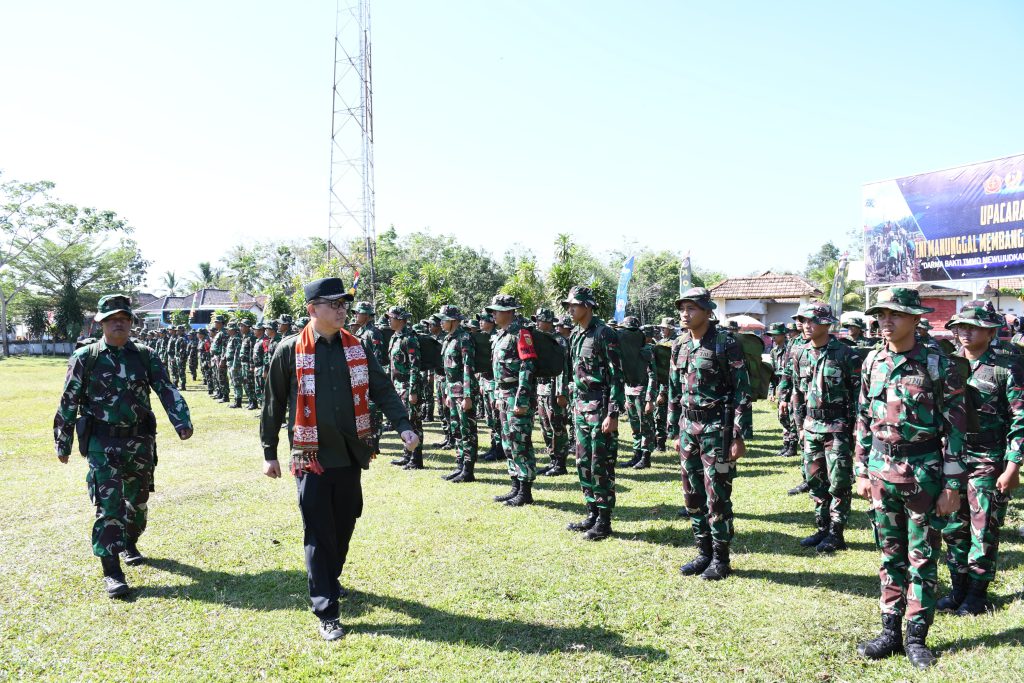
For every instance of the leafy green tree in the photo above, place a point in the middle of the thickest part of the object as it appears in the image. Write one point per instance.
(828, 253)
(206, 276)
(67, 318)
(526, 285)
(170, 282)
(179, 317)
(277, 302)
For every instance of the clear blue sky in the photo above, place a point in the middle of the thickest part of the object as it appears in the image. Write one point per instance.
(741, 132)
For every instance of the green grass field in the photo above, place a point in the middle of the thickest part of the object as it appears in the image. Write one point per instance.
(445, 584)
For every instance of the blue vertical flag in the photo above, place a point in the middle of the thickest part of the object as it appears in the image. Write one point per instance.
(621, 294)
(685, 275)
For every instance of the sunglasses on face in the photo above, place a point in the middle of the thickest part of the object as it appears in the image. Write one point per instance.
(337, 304)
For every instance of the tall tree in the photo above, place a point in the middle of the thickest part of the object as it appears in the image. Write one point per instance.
(206, 276)
(170, 283)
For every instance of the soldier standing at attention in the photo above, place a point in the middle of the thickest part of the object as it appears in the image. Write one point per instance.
(458, 360)
(496, 452)
(233, 359)
(649, 413)
(404, 359)
(373, 343)
(710, 414)
(825, 391)
(924, 334)
(596, 375)
(203, 346)
(992, 454)
(791, 436)
(640, 403)
(106, 399)
(668, 334)
(911, 397)
(551, 403)
(856, 328)
(181, 355)
(259, 360)
(192, 354)
(513, 359)
(217, 350)
(248, 384)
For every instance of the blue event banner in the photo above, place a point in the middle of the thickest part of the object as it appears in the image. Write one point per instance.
(957, 224)
(621, 294)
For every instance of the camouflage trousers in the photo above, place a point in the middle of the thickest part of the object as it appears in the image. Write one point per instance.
(426, 403)
(972, 534)
(463, 430)
(118, 480)
(642, 424)
(553, 426)
(415, 414)
(491, 414)
(259, 384)
(248, 382)
(223, 390)
(661, 421)
(193, 365)
(828, 470)
(595, 458)
(517, 438)
(910, 543)
(707, 478)
(789, 435)
(444, 413)
(237, 382)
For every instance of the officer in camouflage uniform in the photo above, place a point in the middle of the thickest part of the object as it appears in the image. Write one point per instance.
(233, 358)
(924, 335)
(203, 347)
(458, 360)
(826, 387)
(439, 406)
(248, 383)
(668, 334)
(487, 387)
(170, 355)
(857, 338)
(640, 400)
(783, 393)
(596, 366)
(181, 355)
(911, 397)
(552, 402)
(218, 351)
(259, 361)
(992, 454)
(710, 414)
(373, 344)
(106, 392)
(777, 331)
(192, 354)
(513, 359)
(159, 347)
(404, 360)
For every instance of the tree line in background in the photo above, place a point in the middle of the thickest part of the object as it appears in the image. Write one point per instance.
(57, 259)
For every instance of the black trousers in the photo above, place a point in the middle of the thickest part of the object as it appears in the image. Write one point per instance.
(330, 504)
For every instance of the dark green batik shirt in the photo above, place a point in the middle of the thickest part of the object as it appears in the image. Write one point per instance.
(335, 412)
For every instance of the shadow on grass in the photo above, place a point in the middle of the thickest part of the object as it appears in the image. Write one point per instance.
(860, 585)
(1013, 637)
(285, 590)
(803, 519)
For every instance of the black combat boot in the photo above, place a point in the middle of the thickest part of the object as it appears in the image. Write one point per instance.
(236, 404)
(511, 494)
(635, 460)
(698, 564)
(466, 475)
(251, 406)
(557, 468)
(588, 522)
(494, 453)
(131, 554)
(818, 536)
(603, 528)
(802, 487)
(917, 652)
(113, 578)
(719, 567)
(403, 461)
(644, 462)
(788, 450)
(888, 643)
(958, 591)
(416, 461)
(976, 601)
(457, 472)
(834, 541)
(662, 447)
(523, 497)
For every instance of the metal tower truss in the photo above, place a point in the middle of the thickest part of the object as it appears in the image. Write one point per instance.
(352, 199)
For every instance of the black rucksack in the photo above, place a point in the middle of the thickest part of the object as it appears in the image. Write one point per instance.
(482, 341)
(663, 360)
(430, 353)
(634, 356)
(550, 355)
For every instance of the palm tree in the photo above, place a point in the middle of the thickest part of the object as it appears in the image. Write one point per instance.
(170, 281)
(206, 276)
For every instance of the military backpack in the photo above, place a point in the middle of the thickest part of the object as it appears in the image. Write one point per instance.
(550, 355)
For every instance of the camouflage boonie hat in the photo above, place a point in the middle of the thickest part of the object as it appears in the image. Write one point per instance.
(669, 323)
(285, 319)
(566, 322)
(383, 320)
(631, 322)
(270, 325)
(503, 302)
(418, 328)
(817, 312)
(776, 329)
(113, 303)
(899, 299)
(473, 324)
(544, 315)
(303, 321)
(580, 295)
(398, 312)
(855, 322)
(364, 307)
(449, 312)
(976, 313)
(699, 296)
(244, 322)
(233, 326)
(220, 318)
(792, 327)
(924, 324)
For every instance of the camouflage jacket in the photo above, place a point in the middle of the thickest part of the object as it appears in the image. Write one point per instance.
(458, 356)
(404, 357)
(784, 389)
(995, 393)
(595, 364)
(117, 392)
(707, 374)
(512, 362)
(231, 351)
(663, 388)
(271, 347)
(192, 349)
(826, 379)
(906, 398)
(648, 389)
(248, 340)
(373, 343)
(219, 345)
(259, 354)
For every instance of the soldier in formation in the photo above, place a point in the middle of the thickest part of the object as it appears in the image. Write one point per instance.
(640, 400)
(487, 387)
(404, 361)
(233, 359)
(552, 402)
(218, 350)
(373, 343)
(458, 361)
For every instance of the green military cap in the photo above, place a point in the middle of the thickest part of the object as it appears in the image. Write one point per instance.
(648, 330)
(566, 321)
(580, 295)
(776, 329)
(792, 327)
(699, 296)
(899, 299)
(473, 324)
(433, 319)
(111, 304)
(363, 307)
(303, 321)
(631, 322)
(203, 332)
(817, 312)
(668, 323)
(382, 321)
(233, 326)
(244, 322)
(544, 315)
(285, 319)
(220, 319)
(976, 313)
(450, 312)
(399, 312)
(856, 322)
(485, 316)
(418, 328)
(923, 324)
(270, 325)
(503, 302)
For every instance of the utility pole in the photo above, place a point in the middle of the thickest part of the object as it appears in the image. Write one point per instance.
(352, 211)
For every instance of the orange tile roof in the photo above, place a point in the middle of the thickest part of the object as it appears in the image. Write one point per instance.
(767, 285)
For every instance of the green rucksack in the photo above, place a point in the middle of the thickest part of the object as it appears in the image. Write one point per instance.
(550, 355)
(759, 371)
(663, 360)
(634, 356)
(430, 353)
(482, 341)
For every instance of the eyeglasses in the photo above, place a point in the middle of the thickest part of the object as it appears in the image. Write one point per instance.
(337, 304)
